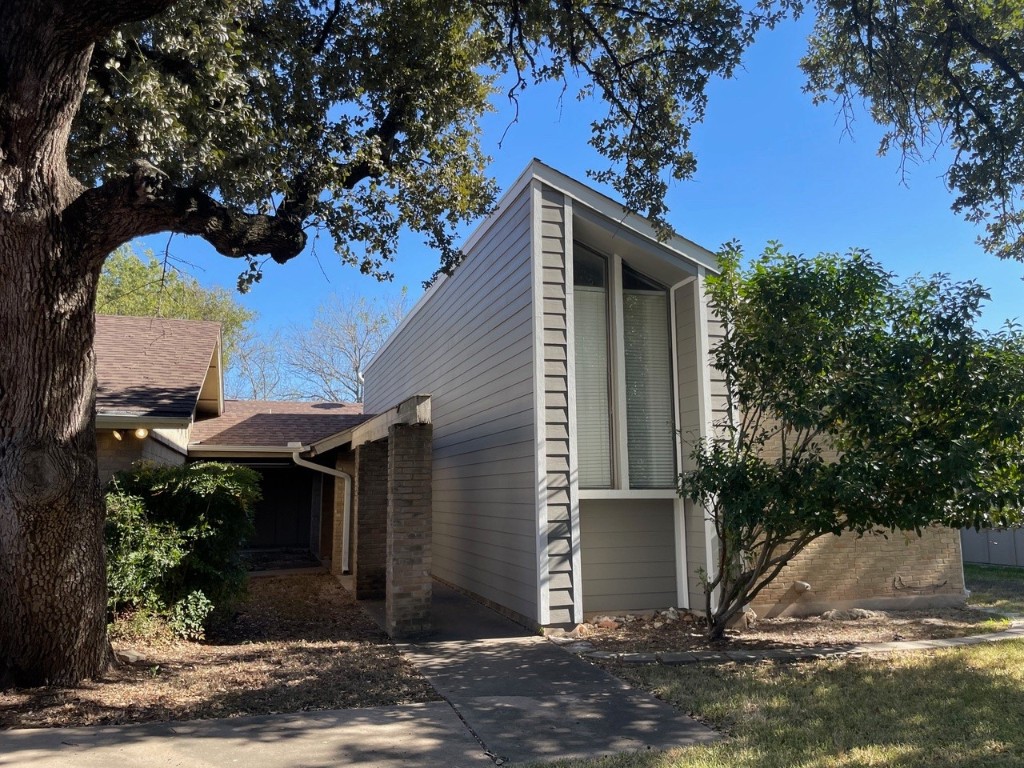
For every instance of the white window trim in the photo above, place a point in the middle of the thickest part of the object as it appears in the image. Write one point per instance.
(617, 422)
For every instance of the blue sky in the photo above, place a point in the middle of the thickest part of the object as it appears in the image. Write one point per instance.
(771, 166)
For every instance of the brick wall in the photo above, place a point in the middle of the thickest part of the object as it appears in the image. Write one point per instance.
(371, 519)
(899, 571)
(409, 587)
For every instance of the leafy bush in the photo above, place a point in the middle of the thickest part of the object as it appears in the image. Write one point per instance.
(188, 615)
(173, 539)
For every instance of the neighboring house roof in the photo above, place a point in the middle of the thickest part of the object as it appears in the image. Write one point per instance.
(263, 423)
(156, 368)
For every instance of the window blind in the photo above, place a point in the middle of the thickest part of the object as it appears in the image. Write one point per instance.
(593, 430)
(649, 422)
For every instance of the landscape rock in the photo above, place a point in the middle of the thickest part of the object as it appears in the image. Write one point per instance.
(128, 656)
(851, 614)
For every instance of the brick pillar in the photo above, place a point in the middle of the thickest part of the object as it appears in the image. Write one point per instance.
(369, 562)
(407, 608)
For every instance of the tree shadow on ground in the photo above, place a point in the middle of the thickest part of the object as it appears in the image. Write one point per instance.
(959, 707)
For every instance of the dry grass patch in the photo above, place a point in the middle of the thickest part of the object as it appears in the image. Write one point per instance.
(297, 643)
(958, 708)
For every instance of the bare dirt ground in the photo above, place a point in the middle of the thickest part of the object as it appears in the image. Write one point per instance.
(662, 632)
(297, 643)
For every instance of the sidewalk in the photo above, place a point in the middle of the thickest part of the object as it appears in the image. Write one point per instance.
(386, 737)
(525, 699)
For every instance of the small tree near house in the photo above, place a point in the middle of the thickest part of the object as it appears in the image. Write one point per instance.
(855, 405)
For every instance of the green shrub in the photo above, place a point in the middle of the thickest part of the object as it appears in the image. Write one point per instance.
(173, 540)
(188, 616)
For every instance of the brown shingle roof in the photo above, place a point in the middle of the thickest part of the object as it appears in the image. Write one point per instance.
(152, 366)
(269, 423)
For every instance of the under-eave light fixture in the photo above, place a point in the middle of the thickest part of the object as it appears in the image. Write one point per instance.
(117, 435)
(142, 433)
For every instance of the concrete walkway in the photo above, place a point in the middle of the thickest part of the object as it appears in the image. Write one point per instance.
(385, 737)
(527, 700)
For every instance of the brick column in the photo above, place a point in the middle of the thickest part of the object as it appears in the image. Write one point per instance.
(369, 562)
(408, 608)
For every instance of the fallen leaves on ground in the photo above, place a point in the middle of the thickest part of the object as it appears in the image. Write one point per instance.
(297, 643)
(658, 632)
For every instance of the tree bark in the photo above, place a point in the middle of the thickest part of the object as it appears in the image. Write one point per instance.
(52, 571)
(54, 237)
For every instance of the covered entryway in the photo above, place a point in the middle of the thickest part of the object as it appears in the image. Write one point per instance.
(391, 507)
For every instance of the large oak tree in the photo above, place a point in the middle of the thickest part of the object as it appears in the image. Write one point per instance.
(253, 123)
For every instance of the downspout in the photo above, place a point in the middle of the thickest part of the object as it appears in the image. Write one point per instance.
(346, 527)
(682, 576)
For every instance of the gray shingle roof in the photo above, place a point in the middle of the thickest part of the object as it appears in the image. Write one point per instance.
(152, 366)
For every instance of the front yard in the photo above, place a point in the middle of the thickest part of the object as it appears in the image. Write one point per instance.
(958, 708)
(297, 643)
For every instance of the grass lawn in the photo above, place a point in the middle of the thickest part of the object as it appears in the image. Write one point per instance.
(996, 588)
(962, 707)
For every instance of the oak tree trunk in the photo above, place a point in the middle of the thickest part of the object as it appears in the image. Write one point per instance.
(52, 573)
(54, 236)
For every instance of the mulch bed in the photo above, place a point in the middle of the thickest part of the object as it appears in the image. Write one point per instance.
(662, 632)
(297, 643)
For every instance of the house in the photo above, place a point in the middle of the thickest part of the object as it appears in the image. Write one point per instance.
(160, 398)
(567, 363)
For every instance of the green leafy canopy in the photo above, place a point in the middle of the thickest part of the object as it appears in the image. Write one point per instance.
(363, 118)
(854, 403)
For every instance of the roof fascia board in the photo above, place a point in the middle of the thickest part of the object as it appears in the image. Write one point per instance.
(134, 421)
(199, 450)
(621, 216)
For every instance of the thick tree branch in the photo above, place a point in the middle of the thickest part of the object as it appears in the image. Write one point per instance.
(88, 21)
(143, 203)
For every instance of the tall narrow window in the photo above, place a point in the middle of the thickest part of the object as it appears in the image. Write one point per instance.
(649, 422)
(590, 318)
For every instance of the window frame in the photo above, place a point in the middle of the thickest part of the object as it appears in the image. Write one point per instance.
(617, 395)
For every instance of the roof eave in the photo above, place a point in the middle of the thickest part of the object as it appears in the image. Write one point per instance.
(135, 420)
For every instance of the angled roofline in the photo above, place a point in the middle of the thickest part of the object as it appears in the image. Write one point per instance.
(583, 195)
(599, 203)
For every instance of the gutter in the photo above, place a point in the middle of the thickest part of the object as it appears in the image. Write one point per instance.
(298, 448)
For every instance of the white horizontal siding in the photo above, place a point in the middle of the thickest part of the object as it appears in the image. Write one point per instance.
(470, 347)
